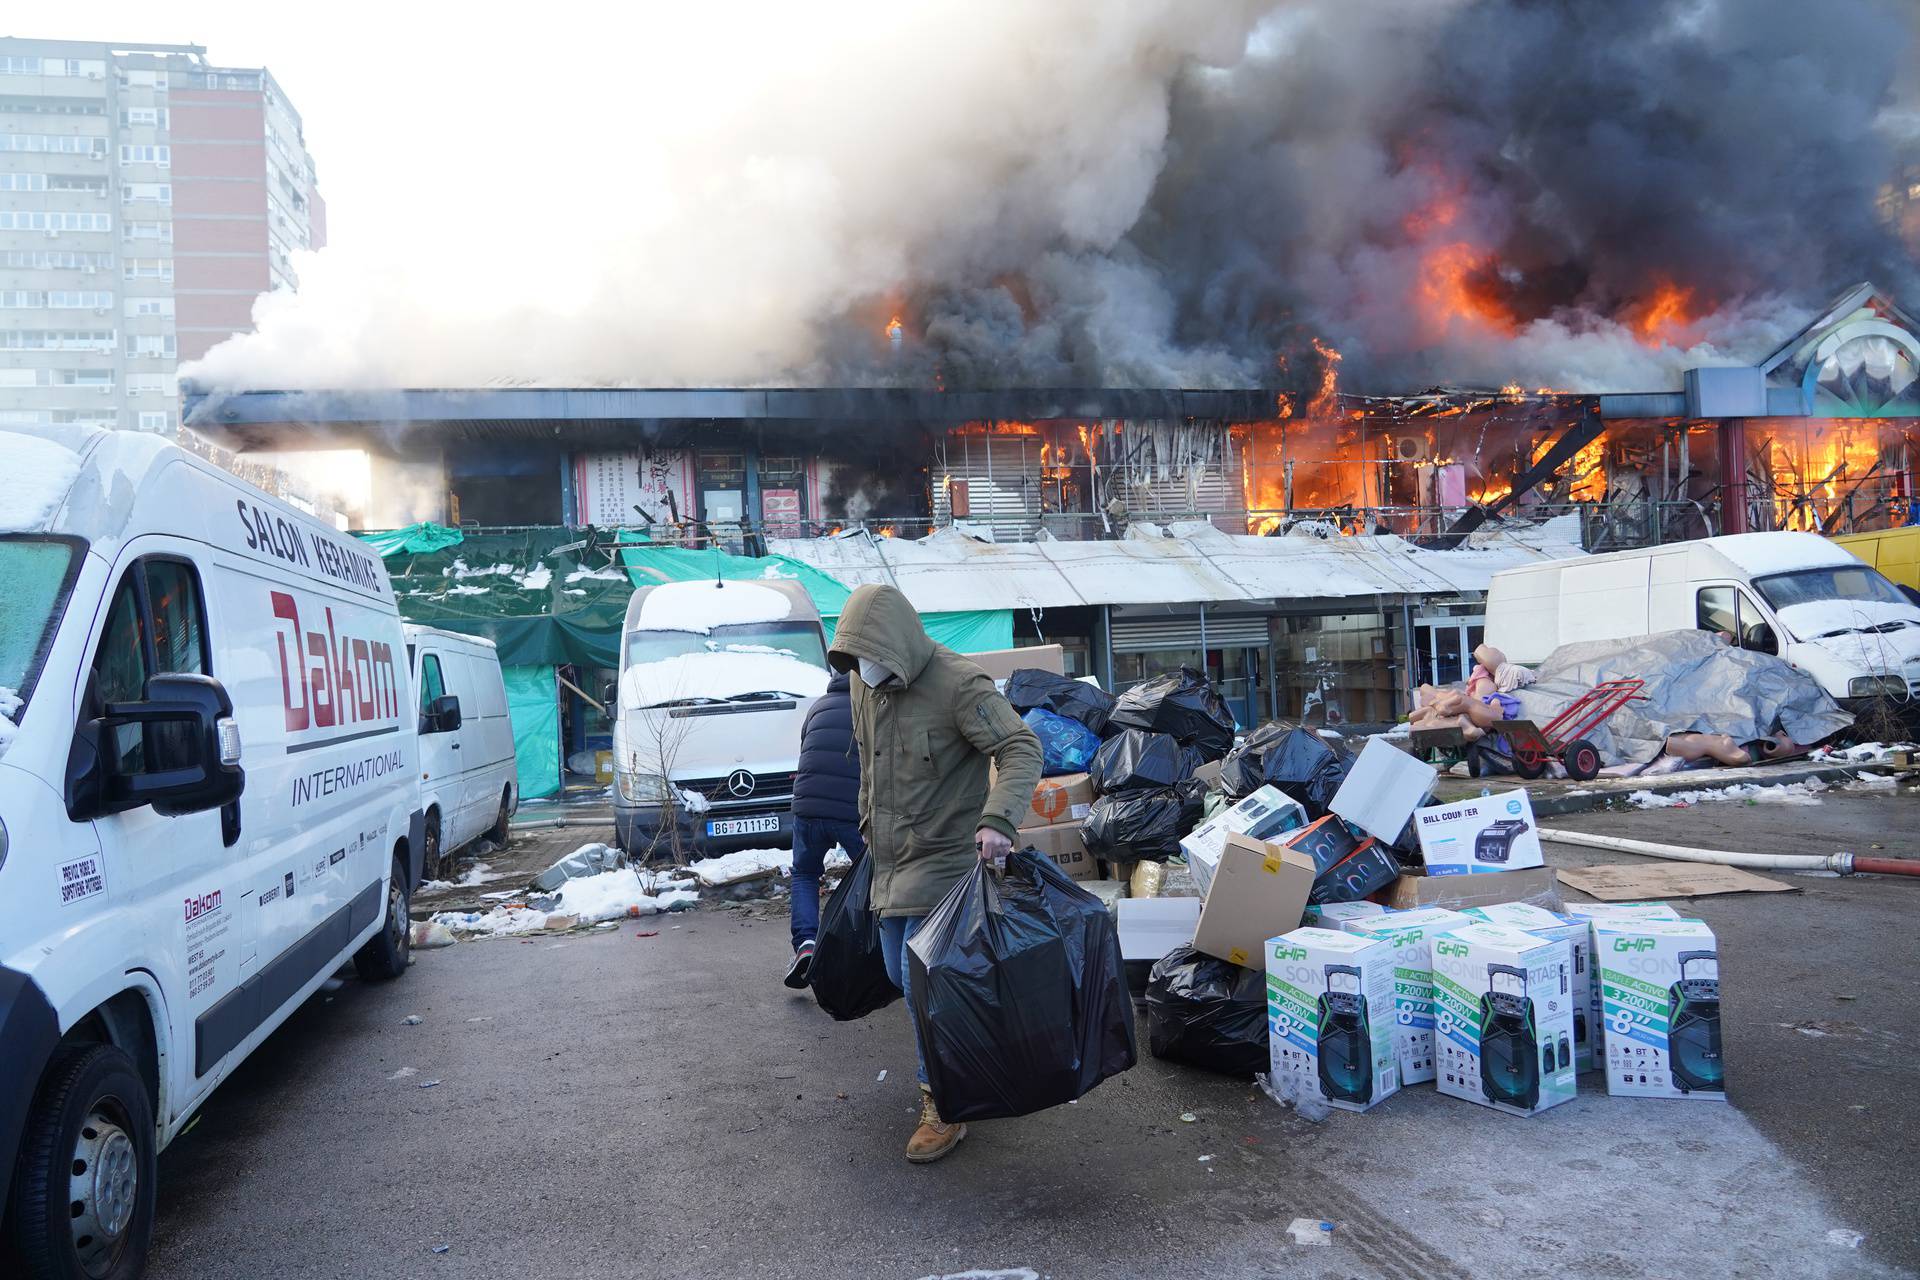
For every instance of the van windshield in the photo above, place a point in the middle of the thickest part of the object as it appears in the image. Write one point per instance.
(35, 574)
(1848, 584)
(792, 639)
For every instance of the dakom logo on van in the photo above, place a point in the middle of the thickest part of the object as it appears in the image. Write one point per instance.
(332, 678)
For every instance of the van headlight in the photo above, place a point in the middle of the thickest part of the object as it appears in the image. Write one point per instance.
(642, 788)
(1876, 687)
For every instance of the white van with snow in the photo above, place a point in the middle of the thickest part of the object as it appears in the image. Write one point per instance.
(466, 741)
(1792, 594)
(715, 680)
(208, 802)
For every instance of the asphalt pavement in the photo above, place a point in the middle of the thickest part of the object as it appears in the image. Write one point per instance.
(627, 1105)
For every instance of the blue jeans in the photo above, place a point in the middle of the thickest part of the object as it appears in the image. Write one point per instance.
(812, 837)
(894, 932)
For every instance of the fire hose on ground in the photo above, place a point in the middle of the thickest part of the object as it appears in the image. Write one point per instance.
(1845, 864)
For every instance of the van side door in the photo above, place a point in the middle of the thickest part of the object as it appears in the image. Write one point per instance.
(185, 876)
(440, 751)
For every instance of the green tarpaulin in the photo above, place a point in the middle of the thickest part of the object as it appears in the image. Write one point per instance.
(534, 708)
(547, 599)
(425, 536)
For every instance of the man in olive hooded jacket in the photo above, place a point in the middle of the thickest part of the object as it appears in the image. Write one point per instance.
(928, 722)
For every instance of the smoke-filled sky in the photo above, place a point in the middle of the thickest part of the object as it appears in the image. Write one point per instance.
(1560, 193)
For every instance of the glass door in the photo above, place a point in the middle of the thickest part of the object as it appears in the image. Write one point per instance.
(1443, 648)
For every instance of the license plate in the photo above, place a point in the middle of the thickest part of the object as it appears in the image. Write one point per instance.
(744, 826)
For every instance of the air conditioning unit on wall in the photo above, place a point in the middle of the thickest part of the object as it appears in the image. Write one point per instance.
(1411, 449)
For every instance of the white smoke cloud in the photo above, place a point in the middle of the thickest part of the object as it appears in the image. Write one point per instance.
(762, 167)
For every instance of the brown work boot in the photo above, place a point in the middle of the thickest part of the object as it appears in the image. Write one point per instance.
(932, 1139)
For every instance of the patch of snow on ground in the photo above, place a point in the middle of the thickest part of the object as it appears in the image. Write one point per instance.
(1792, 793)
(477, 874)
(746, 863)
(39, 473)
(718, 675)
(1863, 753)
(588, 900)
(701, 606)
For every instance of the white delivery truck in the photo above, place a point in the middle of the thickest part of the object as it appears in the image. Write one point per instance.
(209, 800)
(466, 741)
(1796, 595)
(715, 680)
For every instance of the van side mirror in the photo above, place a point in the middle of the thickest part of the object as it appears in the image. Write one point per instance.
(610, 697)
(442, 714)
(178, 749)
(1760, 639)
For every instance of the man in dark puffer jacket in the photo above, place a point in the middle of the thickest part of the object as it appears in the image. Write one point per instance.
(826, 812)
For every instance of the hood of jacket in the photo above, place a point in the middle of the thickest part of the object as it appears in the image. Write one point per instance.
(879, 624)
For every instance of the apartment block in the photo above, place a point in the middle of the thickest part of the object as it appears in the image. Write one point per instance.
(147, 197)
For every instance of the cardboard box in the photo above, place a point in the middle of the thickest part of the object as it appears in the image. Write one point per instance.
(1577, 935)
(1330, 1016)
(1209, 773)
(1061, 842)
(1620, 911)
(1660, 991)
(1001, 663)
(1503, 1018)
(1151, 927)
(1259, 890)
(1381, 791)
(1066, 798)
(1487, 833)
(1410, 934)
(1538, 885)
(1336, 915)
(1263, 815)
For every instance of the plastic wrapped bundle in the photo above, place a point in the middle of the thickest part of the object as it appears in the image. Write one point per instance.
(1208, 1013)
(1180, 703)
(1030, 687)
(1066, 746)
(1137, 761)
(1019, 993)
(1299, 761)
(1129, 826)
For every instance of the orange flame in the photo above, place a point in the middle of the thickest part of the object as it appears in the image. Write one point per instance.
(895, 330)
(1326, 399)
(1666, 315)
(1452, 291)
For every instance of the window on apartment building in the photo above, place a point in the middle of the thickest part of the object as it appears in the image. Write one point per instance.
(23, 299)
(140, 117)
(57, 339)
(153, 384)
(161, 231)
(66, 182)
(150, 421)
(150, 344)
(149, 307)
(55, 260)
(79, 299)
(144, 79)
(23, 182)
(145, 153)
(147, 269)
(42, 220)
(107, 416)
(146, 193)
(57, 144)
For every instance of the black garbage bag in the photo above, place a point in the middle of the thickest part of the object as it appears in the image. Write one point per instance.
(1030, 687)
(1132, 826)
(1299, 761)
(1180, 703)
(849, 974)
(1207, 1013)
(1138, 761)
(1018, 992)
(1066, 745)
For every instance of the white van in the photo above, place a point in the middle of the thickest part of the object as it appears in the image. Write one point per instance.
(715, 680)
(466, 741)
(208, 802)
(1792, 594)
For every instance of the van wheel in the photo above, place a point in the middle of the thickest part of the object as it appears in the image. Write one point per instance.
(501, 822)
(83, 1197)
(386, 953)
(430, 850)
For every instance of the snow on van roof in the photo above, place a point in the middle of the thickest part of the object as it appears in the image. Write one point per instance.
(701, 606)
(39, 474)
(722, 675)
(1779, 552)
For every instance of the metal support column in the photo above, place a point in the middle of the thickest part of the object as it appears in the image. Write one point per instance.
(1733, 475)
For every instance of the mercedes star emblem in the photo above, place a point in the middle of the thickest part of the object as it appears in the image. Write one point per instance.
(740, 783)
